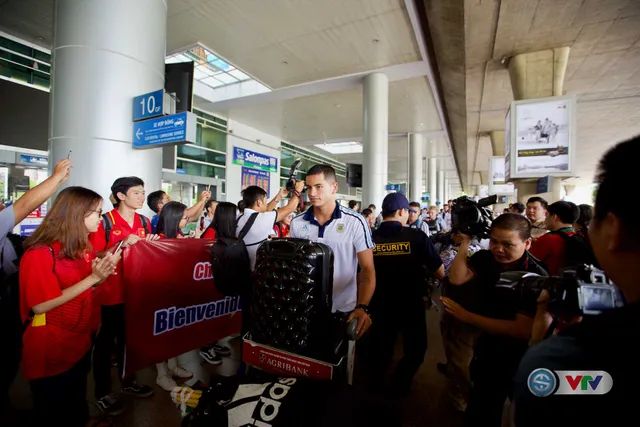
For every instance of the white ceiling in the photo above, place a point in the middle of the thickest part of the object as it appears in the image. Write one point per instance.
(316, 39)
(287, 43)
(336, 115)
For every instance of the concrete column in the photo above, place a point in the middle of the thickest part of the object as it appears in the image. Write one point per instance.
(104, 54)
(447, 189)
(375, 145)
(441, 196)
(538, 74)
(415, 168)
(433, 183)
(497, 142)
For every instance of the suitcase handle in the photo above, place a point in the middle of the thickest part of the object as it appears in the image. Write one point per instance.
(285, 247)
(351, 329)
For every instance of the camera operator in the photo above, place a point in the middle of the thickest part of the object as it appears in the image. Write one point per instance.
(504, 319)
(605, 342)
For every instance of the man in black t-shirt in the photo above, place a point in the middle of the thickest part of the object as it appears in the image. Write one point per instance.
(607, 342)
(504, 318)
(404, 259)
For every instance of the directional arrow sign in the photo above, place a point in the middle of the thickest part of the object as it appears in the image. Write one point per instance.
(166, 130)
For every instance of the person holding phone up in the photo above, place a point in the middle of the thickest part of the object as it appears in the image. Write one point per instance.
(58, 274)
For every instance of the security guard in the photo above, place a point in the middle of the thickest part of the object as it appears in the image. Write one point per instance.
(404, 258)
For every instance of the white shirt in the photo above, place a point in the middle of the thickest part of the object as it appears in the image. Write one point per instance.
(347, 234)
(7, 222)
(423, 226)
(258, 233)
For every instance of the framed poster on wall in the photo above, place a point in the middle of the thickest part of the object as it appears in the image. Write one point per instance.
(497, 177)
(256, 177)
(542, 137)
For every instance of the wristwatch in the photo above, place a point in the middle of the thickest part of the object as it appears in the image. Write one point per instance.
(364, 308)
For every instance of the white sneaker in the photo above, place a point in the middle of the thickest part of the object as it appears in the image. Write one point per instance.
(178, 372)
(166, 383)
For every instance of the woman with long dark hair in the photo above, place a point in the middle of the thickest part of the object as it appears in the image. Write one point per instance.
(173, 218)
(223, 222)
(58, 273)
(223, 225)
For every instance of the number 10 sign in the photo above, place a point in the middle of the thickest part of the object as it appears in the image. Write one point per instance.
(148, 105)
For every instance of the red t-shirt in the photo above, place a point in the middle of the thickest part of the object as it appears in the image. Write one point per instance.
(111, 292)
(56, 340)
(551, 249)
(209, 233)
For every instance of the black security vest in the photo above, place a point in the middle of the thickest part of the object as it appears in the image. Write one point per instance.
(399, 259)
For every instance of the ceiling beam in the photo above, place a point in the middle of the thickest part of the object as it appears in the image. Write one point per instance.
(351, 81)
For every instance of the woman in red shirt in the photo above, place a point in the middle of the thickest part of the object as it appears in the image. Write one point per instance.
(58, 273)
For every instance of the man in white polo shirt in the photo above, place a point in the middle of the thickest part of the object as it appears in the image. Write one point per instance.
(349, 236)
(255, 199)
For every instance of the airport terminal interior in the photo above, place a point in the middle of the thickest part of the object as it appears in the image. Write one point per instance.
(422, 101)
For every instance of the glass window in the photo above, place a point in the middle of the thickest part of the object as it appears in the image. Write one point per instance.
(195, 153)
(211, 138)
(201, 170)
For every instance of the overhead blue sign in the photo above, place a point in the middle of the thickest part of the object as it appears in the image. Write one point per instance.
(393, 187)
(254, 160)
(166, 130)
(148, 105)
(26, 159)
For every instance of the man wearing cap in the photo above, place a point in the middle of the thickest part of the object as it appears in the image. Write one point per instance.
(404, 258)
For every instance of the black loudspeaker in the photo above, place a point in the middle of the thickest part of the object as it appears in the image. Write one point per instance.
(178, 79)
(354, 175)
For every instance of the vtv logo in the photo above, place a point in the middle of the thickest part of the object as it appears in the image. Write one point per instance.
(544, 382)
(584, 382)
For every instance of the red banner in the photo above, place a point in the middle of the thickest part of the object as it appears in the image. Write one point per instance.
(171, 303)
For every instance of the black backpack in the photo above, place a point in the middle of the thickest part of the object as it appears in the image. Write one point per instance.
(230, 262)
(578, 250)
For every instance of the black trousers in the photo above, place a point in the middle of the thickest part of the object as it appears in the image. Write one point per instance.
(62, 399)
(492, 384)
(389, 321)
(112, 330)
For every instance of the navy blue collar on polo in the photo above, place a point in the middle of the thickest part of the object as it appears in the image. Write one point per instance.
(388, 228)
(309, 216)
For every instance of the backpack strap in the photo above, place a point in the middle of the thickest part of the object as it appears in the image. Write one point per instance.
(31, 314)
(145, 223)
(247, 226)
(107, 224)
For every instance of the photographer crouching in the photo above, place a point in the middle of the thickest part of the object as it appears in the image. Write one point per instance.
(503, 316)
(599, 352)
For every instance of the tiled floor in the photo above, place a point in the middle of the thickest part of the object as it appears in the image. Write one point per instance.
(426, 406)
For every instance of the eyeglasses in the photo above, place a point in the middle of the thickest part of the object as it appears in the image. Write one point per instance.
(99, 211)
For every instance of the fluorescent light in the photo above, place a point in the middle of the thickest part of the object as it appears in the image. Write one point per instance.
(341, 147)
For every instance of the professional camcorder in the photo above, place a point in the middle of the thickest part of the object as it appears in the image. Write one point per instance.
(295, 168)
(580, 290)
(471, 217)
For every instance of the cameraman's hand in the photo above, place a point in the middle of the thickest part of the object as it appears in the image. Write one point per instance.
(300, 186)
(459, 238)
(282, 194)
(543, 319)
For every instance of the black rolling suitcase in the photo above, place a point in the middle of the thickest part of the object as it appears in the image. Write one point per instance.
(292, 299)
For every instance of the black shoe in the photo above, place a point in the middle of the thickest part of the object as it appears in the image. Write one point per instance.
(199, 385)
(110, 405)
(221, 350)
(210, 355)
(137, 390)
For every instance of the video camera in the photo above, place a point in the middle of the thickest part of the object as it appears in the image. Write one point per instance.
(577, 291)
(291, 182)
(471, 217)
